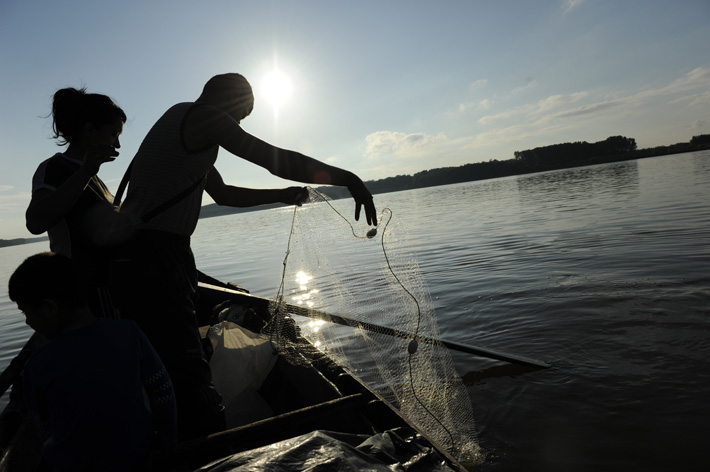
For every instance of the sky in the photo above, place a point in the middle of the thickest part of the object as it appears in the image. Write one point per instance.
(378, 87)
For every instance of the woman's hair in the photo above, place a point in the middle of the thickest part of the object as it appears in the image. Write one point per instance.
(46, 275)
(73, 108)
(230, 92)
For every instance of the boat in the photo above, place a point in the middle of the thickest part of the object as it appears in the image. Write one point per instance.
(310, 413)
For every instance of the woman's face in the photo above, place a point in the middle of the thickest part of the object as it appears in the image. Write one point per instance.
(106, 134)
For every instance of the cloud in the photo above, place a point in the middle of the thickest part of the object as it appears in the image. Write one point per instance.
(5, 188)
(580, 115)
(520, 132)
(700, 99)
(589, 109)
(558, 106)
(556, 101)
(399, 144)
(569, 5)
(565, 115)
(697, 78)
(531, 83)
(532, 109)
(698, 125)
(476, 105)
(484, 105)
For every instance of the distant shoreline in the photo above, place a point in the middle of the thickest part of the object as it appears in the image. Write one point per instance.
(542, 159)
(18, 241)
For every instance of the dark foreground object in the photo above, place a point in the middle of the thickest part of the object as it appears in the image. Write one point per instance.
(310, 414)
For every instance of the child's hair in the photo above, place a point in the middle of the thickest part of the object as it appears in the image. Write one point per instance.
(230, 91)
(46, 275)
(73, 108)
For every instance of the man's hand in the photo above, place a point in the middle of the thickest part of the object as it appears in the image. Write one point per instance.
(363, 197)
(295, 196)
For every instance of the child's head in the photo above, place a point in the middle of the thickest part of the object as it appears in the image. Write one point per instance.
(231, 93)
(46, 288)
(74, 109)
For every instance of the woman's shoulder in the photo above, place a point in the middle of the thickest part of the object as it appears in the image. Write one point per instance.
(53, 171)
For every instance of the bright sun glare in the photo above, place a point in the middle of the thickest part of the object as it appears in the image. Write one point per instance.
(276, 88)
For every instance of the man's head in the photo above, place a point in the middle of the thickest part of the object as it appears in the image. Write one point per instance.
(46, 288)
(231, 93)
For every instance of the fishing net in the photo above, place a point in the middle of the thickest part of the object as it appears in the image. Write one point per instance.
(381, 304)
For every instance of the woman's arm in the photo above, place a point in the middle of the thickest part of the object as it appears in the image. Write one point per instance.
(48, 207)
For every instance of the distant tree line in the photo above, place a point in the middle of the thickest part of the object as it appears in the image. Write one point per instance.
(540, 159)
(556, 156)
(564, 155)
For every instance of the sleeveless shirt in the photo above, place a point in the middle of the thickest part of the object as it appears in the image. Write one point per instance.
(163, 168)
(65, 237)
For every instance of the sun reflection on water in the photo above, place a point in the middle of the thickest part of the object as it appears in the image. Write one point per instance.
(305, 297)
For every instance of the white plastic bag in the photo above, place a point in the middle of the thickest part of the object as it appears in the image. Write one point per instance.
(240, 363)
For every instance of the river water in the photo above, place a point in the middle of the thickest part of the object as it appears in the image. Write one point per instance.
(603, 271)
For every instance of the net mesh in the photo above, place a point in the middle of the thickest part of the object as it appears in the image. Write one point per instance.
(381, 303)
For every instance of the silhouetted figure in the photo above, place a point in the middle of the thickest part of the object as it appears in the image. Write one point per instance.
(97, 389)
(65, 186)
(156, 281)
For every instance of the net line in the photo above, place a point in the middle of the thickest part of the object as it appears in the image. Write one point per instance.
(329, 267)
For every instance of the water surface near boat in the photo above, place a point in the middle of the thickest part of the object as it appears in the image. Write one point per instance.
(601, 270)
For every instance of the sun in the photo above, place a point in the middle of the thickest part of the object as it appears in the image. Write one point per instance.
(276, 89)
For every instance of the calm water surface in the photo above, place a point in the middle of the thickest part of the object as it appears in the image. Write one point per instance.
(602, 271)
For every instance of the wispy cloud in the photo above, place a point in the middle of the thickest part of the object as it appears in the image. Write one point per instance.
(693, 100)
(476, 104)
(546, 105)
(486, 104)
(399, 144)
(589, 109)
(483, 105)
(519, 132)
(702, 99)
(698, 125)
(531, 83)
(559, 114)
(694, 85)
(693, 88)
(569, 5)
(696, 79)
(584, 114)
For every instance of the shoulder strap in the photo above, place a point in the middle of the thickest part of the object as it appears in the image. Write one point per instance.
(164, 206)
(160, 208)
(122, 186)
